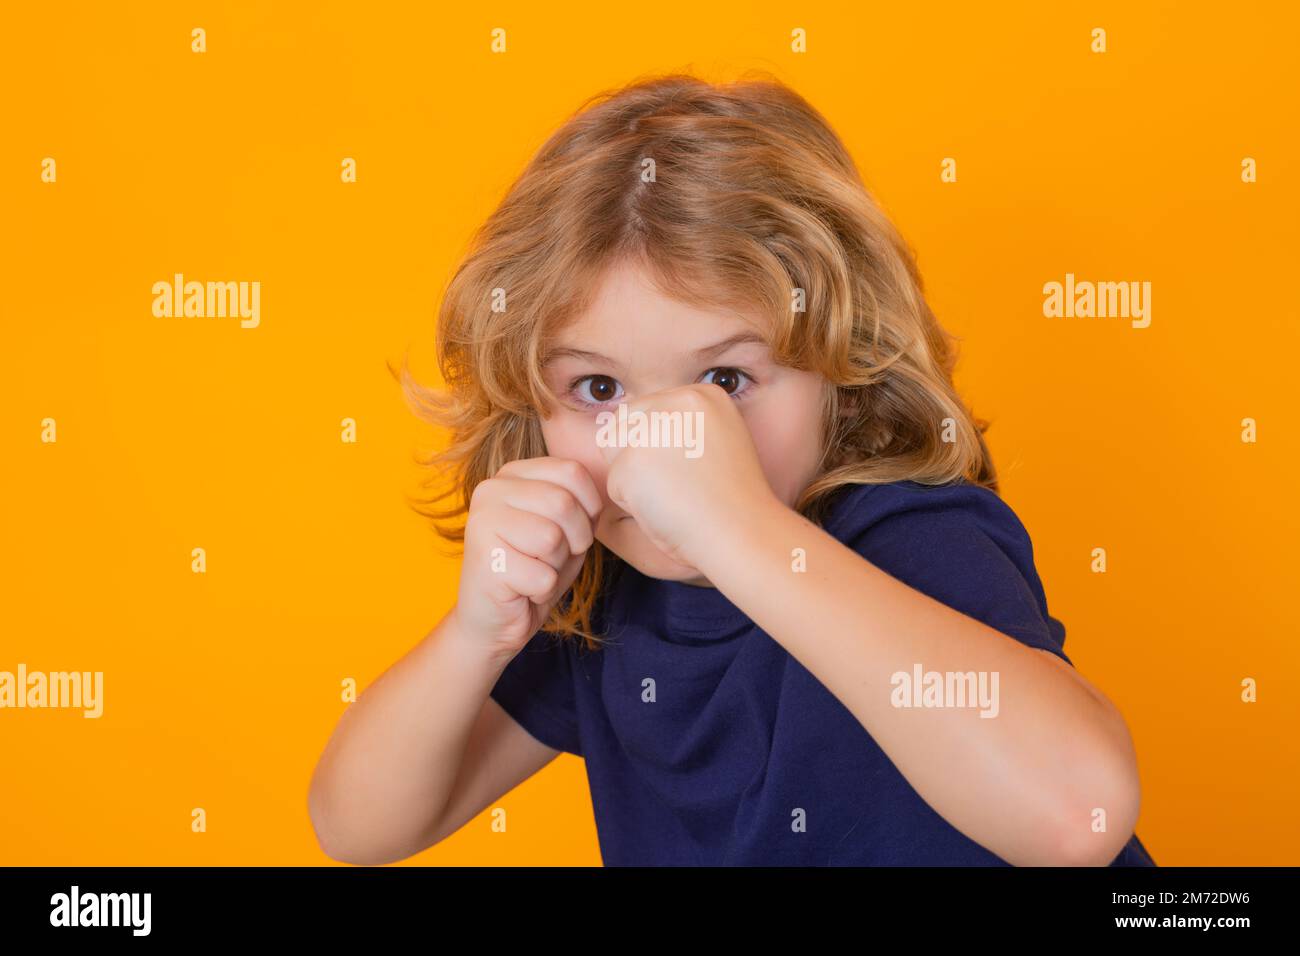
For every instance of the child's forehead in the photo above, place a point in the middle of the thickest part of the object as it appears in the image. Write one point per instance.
(690, 335)
(626, 299)
(657, 321)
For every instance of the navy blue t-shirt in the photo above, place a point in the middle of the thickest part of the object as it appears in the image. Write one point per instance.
(706, 741)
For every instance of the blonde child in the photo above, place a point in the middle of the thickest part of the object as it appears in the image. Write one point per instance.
(816, 636)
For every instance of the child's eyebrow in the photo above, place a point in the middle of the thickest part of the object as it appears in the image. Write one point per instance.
(740, 338)
(554, 354)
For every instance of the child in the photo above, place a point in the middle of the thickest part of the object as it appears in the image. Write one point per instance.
(810, 634)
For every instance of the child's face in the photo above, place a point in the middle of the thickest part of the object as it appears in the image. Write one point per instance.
(642, 343)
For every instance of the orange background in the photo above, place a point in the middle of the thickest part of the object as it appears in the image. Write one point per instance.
(222, 688)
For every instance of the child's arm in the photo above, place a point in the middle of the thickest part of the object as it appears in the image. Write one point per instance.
(1023, 784)
(423, 750)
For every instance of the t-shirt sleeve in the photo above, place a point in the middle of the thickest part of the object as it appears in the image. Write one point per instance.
(985, 572)
(536, 689)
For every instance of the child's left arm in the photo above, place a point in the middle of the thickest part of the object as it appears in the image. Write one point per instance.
(1023, 784)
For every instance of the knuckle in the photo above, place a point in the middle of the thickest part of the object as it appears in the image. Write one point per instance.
(572, 509)
(481, 491)
(557, 499)
(548, 577)
(700, 395)
(552, 536)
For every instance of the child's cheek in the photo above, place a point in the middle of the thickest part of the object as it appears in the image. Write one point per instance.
(786, 429)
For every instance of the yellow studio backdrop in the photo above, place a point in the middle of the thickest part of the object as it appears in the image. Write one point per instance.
(129, 156)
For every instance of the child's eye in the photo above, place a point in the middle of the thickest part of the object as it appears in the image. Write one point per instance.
(731, 380)
(595, 389)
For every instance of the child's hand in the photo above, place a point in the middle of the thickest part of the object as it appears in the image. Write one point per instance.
(681, 503)
(528, 530)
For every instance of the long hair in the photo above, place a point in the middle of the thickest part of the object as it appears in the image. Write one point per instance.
(736, 194)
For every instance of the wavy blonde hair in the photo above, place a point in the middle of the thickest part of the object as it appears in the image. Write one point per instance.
(753, 196)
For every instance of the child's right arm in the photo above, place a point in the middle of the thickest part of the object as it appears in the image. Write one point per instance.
(425, 748)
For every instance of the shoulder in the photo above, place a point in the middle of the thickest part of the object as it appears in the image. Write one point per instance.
(958, 542)
(857, 509)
